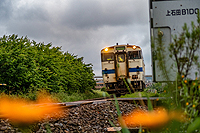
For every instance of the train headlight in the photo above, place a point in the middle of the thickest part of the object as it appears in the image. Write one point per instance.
(134, 47)
(106, 49)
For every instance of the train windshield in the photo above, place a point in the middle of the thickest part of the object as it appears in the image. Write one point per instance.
(107, 57)
(134, 55)
(120, 58)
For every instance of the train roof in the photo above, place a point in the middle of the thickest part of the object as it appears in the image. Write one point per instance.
(128, 45)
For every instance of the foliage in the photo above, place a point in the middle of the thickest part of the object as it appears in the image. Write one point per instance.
(58, 96)
(183, 94)
(155, 87)
(64, 97)
(103, 89)
(27, 66)
(138, 94)
(183, 49)
(159, 54)
(101, 93)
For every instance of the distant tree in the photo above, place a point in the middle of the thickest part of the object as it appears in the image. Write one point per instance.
(26, 65)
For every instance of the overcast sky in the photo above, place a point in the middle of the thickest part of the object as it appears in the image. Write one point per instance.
(81, 27)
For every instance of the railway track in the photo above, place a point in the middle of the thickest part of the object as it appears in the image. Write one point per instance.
(138, 101)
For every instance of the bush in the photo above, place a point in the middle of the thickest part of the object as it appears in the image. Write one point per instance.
(29, 66)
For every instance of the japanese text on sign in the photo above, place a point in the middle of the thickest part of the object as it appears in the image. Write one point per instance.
(178, 12)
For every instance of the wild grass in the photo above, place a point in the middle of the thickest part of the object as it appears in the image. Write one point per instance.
(62, 96)
(140, 94)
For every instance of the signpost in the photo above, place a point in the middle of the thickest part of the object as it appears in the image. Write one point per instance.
(168, 17)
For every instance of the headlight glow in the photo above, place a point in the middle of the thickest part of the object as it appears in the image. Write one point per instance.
(106, 49)
(134, 47)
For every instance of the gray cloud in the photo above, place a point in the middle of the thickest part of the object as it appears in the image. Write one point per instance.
(94, 14)
(5, 10)
(80, 27)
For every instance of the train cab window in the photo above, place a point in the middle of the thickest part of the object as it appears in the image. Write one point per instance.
(120, 57)
(107, 57)
(134, 55)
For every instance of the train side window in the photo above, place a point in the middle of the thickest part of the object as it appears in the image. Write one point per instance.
(107, 57)
(120, 58)
(134, 55)
(140, 54)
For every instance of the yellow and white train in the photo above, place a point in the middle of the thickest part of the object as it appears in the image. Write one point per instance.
(122, 68)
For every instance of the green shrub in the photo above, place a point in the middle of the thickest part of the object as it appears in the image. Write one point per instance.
(26, 65)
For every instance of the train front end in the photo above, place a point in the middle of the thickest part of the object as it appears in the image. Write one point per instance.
(122, 68)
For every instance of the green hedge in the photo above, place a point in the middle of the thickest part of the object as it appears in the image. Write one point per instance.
(26, 65)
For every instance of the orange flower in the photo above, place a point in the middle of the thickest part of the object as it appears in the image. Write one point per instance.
(193, 106)
(187, 103)
(185, 81)
(150, 119)
(21, 111)
(182, 76)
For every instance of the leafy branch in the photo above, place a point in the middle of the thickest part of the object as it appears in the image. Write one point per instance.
(183, 49)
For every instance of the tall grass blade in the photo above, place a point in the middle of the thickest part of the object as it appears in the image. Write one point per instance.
(150, 106)
(124, 128)
(112, 124)
(140, 130)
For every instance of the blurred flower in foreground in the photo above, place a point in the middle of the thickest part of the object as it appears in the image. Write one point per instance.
(21, 111)
(150, 119)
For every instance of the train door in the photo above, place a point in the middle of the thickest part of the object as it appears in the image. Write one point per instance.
(121, 71)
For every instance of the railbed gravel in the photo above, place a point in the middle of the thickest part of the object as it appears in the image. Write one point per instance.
(89, 118)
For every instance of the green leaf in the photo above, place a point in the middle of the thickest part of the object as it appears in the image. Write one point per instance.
(194, 126)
